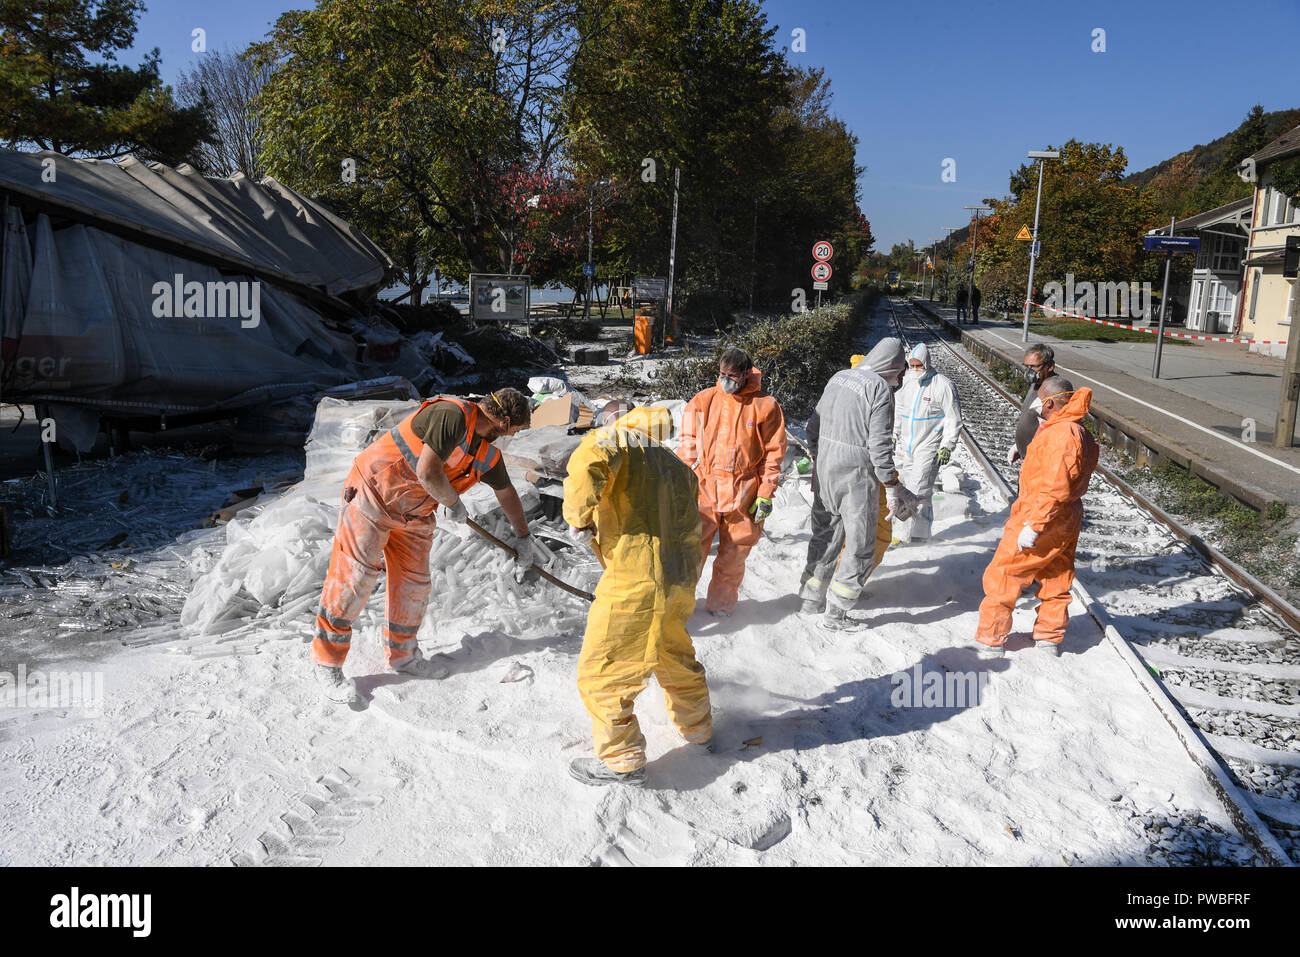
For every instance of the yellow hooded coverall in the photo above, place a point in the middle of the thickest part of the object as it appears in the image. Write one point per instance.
(642, 500)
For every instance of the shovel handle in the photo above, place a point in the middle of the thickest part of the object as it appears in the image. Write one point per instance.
(541, 571)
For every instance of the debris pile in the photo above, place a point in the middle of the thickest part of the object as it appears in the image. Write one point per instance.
(268, 571)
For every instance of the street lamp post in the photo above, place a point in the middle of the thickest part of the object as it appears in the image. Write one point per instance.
(1041, 156)
(970, 282)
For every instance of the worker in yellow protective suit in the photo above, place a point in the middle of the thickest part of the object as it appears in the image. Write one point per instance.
(884, 527)
(635, 502)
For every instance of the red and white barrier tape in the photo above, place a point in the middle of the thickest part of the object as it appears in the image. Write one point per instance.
(1151, 332)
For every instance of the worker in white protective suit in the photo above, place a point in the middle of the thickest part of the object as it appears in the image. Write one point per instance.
(927, 422)
(851, 438)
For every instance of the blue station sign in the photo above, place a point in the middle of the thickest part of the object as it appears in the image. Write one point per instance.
(1172, 244)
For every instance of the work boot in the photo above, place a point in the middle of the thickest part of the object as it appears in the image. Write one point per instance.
(811, 606)
(1052, 648)
(991, 652)
(597, 773)
(837, 619)
(419, 666)
(334, 686)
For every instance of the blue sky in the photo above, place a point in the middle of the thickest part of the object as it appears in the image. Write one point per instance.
(977, 82)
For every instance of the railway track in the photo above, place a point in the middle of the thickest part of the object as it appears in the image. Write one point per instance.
(1219, 647)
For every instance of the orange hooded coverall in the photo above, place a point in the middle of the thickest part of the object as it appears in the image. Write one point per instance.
(1053, 480)
(735, 443)
(386, 522)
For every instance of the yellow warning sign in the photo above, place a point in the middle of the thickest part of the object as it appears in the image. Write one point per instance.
(1024, 233)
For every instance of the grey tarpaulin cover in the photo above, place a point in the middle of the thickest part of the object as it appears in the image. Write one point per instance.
(85, 244)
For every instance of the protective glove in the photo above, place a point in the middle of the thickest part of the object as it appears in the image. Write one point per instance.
(529, 552)
(1027, 538)
(761, 509)
(803, 465)
(582, 536)
(901, 501)
(944, 457)
(453, 511)
(1013, 455)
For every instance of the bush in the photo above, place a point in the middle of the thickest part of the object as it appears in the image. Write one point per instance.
(796, 353)
(573, 329)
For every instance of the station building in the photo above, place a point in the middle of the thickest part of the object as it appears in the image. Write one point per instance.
(1266, 295)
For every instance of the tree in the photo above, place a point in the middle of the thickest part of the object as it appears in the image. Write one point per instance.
(1091, 225)
(61, 88)
(441, 104)
(227, 84)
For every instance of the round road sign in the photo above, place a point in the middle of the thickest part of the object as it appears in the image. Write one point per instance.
(822, 251)
(821, 271)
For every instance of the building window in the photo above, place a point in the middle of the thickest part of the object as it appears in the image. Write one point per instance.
(1225, 254)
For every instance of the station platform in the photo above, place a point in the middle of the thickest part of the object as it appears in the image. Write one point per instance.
(1199, 413)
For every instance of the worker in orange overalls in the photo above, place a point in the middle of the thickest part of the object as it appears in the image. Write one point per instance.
(733, 436)
(387, 520)
(1043, 530)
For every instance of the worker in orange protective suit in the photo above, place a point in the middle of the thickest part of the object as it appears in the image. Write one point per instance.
(636, 504)
(733, 437)
(386, 521)
(1041, 534)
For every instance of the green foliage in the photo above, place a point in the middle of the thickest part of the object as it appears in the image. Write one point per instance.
(1286, 175)
(454, 137)
(1079, 331)
(1089, 226)
(61, 89)
(796, 353)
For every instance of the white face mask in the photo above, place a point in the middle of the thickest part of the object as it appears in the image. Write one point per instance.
(915, 373)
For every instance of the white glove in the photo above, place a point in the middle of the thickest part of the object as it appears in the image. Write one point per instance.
(453, 511)
(1013, 455)
(529, 552)
(902, 503)
(1027, 538)
(582, 536)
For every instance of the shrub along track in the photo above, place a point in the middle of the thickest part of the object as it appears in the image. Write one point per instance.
(1218, 649)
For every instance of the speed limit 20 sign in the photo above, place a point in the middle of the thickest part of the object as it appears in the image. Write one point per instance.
(821, 271)
(822, 251)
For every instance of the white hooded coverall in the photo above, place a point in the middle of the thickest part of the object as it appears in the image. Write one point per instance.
(850, 435)
(927, 418)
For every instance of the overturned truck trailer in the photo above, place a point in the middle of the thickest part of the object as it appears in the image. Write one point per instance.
(134, 292)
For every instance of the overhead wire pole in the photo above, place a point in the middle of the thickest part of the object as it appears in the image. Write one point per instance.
(672, 250)
(1041, 156)
(974, 241)
(934, 265)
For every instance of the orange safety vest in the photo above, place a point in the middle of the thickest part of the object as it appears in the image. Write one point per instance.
(389, 463)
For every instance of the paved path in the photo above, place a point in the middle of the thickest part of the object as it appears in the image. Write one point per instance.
(1199, 405)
